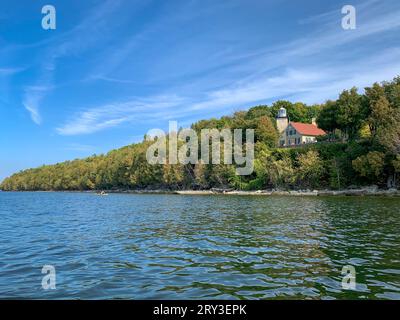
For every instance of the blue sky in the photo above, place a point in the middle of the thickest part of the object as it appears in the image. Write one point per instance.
(114, 69)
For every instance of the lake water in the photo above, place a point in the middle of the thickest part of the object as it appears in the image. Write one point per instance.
(198, 247)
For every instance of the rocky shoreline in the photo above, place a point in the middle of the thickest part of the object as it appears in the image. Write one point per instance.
(364, 191)
(298, 193)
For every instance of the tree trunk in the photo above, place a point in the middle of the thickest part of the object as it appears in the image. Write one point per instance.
(391, 181)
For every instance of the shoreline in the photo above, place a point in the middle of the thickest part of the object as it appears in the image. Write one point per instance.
(296, 193)
(362, 191)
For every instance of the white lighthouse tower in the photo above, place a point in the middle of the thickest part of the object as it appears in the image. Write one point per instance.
(282, 120)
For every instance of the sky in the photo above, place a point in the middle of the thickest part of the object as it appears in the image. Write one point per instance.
(113, 69)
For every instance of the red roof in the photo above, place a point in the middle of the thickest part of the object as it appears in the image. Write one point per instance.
(307, 129)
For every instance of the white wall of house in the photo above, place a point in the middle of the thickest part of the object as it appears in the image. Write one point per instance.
(290, 137)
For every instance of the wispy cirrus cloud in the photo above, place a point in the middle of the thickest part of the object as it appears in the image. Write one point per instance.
(309, 84)
(31, 104)
(225, 78)
(32, 98)
(82, 37)
(110, 115)
(10, 71)
(332, 16)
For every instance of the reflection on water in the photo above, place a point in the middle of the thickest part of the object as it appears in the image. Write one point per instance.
(198, 247)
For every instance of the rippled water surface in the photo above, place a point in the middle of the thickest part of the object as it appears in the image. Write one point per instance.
(198, 247)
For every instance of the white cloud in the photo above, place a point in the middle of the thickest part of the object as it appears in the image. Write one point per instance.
(10, 71)
(335, 15)
(32, 99)
(33, 110)
(110, 115)
(80, 38)
(295, 70)
(309, 84)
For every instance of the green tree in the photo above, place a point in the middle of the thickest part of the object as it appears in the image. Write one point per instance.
(327, 119)
(310, 169)
(266, 132)
(392, 91)
(259, 111)
(377, 107)
(370, 165)
(275, 170)
(350, 112)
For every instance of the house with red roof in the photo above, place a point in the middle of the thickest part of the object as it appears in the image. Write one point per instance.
(296, 133)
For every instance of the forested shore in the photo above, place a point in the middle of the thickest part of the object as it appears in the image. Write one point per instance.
(361, 148)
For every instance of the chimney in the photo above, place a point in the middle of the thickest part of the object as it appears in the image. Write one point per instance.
(314, 121)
